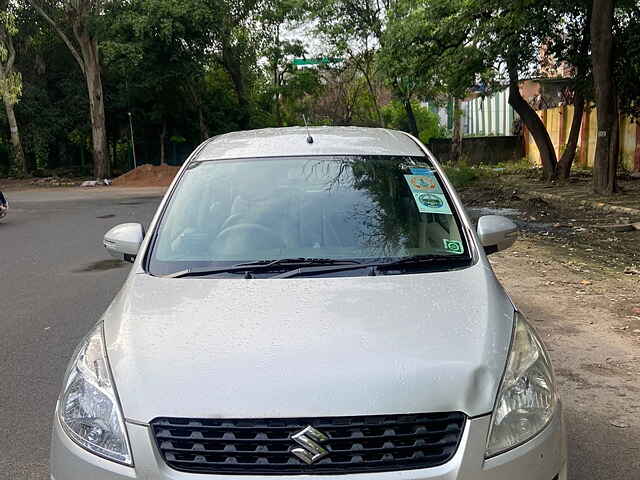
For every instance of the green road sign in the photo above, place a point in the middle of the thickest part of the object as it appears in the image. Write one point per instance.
(316, 61)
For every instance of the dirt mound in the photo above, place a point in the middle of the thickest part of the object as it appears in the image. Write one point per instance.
(147, 176)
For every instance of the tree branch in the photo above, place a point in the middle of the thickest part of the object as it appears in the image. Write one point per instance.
(62, 35)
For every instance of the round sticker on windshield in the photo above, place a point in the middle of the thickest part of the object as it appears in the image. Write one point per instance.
(423, 183)
(430, 200)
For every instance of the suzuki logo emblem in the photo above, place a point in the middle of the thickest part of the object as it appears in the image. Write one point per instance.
(309, 439)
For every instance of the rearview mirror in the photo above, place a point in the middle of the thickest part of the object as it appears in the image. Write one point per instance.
(123, 241)
(496, 233)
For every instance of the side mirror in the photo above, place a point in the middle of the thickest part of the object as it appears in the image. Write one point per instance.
(496, 233)
(123, 241)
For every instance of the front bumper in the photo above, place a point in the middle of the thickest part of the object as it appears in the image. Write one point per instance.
(542, 458)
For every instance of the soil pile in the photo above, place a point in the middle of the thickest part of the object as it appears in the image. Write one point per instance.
(147, 176)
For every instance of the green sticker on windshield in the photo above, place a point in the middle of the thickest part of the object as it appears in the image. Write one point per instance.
(431, 203)
(453, 246)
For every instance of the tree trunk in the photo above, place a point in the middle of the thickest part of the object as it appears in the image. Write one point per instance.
(204, 128)
(374, 98)
(276, 95)
(606, 156)
(89, 49)
(413, 124)
(456, 136)
(232, 65)
(535, 126)
(89, 63)
(163, 135)
(569, 154)
(18, 152)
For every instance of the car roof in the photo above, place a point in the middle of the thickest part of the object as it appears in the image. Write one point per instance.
(292, 141)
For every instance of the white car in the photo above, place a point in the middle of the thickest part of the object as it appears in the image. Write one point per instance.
(316, 303)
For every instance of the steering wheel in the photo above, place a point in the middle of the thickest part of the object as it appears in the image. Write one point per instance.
(261, 236)
(230, 221)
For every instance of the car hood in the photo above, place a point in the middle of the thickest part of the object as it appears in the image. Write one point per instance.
(306, 347)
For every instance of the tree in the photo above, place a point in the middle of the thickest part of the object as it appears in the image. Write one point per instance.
(627, 60)
(456, 134)
(427, 123)
(606, 156)
(10, 81)
(340, 100)
(454, 44)
(354, 28)
(568, 45)
(429, 46)
(274, 16)
(81, 16)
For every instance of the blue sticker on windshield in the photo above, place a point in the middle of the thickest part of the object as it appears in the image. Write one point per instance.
(421, 171)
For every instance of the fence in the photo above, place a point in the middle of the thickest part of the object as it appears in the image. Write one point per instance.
(558, 123)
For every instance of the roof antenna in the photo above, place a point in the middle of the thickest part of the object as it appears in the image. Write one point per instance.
(309, 137)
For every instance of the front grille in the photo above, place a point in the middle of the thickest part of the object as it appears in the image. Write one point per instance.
(354, 444)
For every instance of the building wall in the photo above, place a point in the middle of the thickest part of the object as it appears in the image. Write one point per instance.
(558, 123)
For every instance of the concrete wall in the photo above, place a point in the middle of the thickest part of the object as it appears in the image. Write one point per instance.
(477, 150)
(558, 123)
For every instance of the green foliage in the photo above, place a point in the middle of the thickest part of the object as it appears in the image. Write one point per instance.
(189, 69)
(461, 175)
(627, 67)
(428, 122)
(10, 80)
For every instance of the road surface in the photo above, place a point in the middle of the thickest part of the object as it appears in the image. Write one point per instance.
(56, 280)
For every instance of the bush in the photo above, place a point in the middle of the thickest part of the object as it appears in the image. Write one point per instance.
(462, 176)
(395, 117)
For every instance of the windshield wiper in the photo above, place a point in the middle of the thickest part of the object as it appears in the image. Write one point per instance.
(261, 265)
(414, 260)
(454, 260)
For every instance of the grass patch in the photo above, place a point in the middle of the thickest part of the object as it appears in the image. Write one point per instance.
(464, 175)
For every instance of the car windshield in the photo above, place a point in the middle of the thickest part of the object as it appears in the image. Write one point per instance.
(364, 208)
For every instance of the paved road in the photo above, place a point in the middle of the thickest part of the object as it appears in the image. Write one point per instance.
(56, 280)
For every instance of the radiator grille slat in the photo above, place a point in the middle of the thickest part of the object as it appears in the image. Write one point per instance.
(263, 446)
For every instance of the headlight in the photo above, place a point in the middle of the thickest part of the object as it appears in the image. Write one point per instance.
(88, 409)
(527, 397)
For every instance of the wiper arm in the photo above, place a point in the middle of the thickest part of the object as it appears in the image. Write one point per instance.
(259, 265)
(298, 261)
(423, 259)
(455, 260)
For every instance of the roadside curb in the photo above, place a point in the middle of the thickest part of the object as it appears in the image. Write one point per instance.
(605, 207)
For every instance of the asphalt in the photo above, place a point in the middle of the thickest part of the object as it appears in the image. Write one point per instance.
(56, 280)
